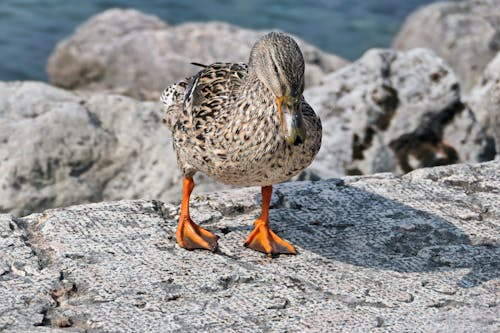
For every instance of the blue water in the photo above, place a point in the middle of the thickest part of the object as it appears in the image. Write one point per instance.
(29, 29)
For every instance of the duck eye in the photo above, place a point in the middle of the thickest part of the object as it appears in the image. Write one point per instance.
(297, 94)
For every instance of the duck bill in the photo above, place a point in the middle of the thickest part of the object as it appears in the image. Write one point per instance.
(292, 123)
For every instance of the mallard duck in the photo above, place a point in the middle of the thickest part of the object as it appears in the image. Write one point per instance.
(245, 126)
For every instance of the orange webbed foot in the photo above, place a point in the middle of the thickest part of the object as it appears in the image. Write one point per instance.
(265, 240)
(191, 236)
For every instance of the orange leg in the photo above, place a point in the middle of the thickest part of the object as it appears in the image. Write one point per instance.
(264, 239)
(189, 235)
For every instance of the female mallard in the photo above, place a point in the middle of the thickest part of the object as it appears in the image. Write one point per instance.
(244, 126)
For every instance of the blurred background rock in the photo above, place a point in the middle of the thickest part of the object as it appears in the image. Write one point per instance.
(97, 136)
(343, 27)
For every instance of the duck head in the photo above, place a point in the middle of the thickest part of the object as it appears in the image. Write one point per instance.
(276, 60)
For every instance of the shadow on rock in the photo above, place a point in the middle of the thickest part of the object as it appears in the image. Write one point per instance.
(346, 223)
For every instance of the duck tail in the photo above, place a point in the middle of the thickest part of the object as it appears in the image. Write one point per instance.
(198, 64)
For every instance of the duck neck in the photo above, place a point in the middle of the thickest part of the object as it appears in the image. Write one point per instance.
(255, 89)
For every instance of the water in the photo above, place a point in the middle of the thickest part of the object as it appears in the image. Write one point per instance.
(30, 29)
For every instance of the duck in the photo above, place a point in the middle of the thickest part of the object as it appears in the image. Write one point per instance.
(243, 125)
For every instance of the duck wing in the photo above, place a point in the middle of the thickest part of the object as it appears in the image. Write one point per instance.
(208, 98)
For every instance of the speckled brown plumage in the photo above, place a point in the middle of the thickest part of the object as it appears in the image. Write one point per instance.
(229, 129)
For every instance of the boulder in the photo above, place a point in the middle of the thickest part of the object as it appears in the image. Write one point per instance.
(59, 148)
(464, 33)
(495, 96)
(484, 99)
(389, 111)
(376, 253)
(394, 111)
(130, 53)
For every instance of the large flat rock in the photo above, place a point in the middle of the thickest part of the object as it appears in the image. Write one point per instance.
(415, 253)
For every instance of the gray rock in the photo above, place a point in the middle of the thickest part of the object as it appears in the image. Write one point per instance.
(21, 279)
(58, 148)
(484, 99)
(394, 111)
(464, 33)
(93, 56)
(495, 96)
(127, 52)
(387, 112)
(379, 253)
(53, 149)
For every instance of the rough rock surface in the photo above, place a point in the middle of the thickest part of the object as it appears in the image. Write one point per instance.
(495, 95)
(484, 99)
(381, 253)
(127, 52)
(464, 33)
(394, 111)
(58, 148)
